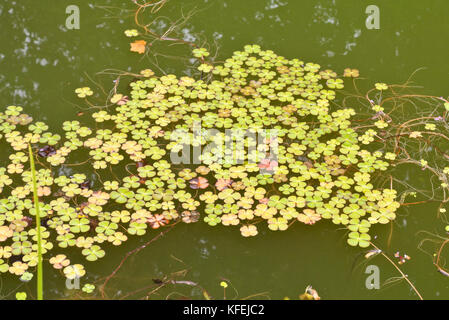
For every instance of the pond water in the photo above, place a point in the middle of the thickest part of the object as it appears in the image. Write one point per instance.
(42, 62)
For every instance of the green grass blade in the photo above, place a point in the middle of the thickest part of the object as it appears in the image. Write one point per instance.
(40, 278)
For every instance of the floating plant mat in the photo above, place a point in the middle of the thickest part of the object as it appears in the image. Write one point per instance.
(273, 151)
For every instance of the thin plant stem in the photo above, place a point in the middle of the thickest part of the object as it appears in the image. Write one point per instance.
(40, 282)
(400, 271)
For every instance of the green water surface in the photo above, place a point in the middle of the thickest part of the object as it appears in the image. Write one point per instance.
(42, 62)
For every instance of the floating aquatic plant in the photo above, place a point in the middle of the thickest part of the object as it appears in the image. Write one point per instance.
(321, 170)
